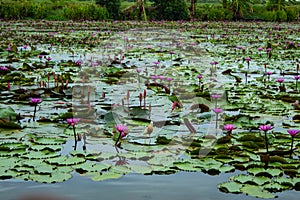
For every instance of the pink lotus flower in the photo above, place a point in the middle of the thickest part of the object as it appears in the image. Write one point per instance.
(35, 101)
(259, 48)
(199, 76)
(265, 128)
(292, 132)
(73, 121)
(229, 127)
(169, 79)
(268, 73)
(296, 78)
(280, 80)
(247, 59)
(155, 62)
(79, 62)
(3, 68)
(216, 96)
(122, 129)
(218, 110)
(138, 70)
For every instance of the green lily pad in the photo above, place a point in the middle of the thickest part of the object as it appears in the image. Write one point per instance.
(230, 187)
(106, 176)
(256, 191)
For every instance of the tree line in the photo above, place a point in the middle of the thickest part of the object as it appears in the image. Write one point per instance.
(266, 10)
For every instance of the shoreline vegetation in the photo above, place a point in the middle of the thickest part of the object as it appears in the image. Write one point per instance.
(172, 10)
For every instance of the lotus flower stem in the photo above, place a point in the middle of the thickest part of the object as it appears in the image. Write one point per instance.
(74, 131)
(216, 120)
(34, 112)
(266, 140)
(292, 143)
(117, 141)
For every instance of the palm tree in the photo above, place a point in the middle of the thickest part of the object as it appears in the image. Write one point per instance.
(277, 5)
(140, 5)
(237, 7)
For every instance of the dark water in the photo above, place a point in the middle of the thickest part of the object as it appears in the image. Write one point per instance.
(179, 186)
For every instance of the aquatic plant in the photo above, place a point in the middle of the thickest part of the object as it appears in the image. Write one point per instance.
(35, 102)
(217, 111)
(121, 132)
(265, 129)
(229, 128)
(292, 133)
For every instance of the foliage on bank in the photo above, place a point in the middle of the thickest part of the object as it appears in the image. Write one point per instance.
(155, 10)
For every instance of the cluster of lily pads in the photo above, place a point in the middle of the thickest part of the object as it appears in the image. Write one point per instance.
(192, 96)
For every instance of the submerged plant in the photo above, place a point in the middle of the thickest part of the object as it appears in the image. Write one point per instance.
(35, 102)
(293, 133)
(265, 129)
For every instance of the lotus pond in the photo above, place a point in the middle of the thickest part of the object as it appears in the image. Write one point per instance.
(150, 109)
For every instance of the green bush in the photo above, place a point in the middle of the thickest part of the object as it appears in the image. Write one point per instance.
(112, 7)
(292, 13)
(171, 10)
(219, 14)
(79, 11)
(281, 16)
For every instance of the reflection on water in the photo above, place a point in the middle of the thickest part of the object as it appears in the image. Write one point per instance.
(182, 185)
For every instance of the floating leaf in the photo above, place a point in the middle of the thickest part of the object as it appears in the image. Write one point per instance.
(256, 191)
(106, 176)
(230, 187)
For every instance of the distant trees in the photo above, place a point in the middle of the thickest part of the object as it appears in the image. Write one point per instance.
(112, 7)
(237, 7)
(171, 10)
(277, 5)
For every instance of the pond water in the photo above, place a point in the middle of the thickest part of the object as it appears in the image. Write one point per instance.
(182, 81)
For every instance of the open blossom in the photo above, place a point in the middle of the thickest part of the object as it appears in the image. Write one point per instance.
(73, 121)
(280, 80)
(216, 96)
(122, 129)
(265, 128)
(229, 127)
(247, 59)
(296, 78)
(268, 73)
(218, 110)
(3, 68)
(292, 132)
(199, 76)
(155, 62)
(35, 100)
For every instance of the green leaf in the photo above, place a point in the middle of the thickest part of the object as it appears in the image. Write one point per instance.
(242, 178)
(106, 176)
(256, 191)
(230, 187)
(141, 169)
